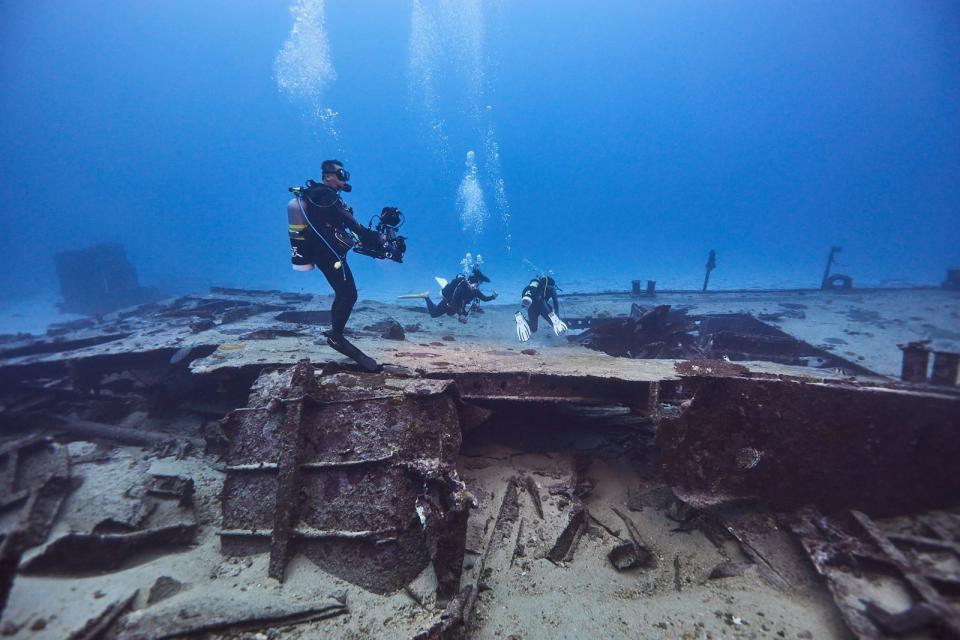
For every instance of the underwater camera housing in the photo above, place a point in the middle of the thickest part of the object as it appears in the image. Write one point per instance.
(389, 244)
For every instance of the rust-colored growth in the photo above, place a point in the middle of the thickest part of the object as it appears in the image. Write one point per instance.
(786, 443)
(945, 367)
(916, 359)
(717, 368)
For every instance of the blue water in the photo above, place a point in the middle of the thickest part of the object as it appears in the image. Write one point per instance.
(605, 142)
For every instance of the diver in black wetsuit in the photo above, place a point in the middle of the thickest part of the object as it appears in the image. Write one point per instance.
(319, 225)
(458, 294)
(537, 298)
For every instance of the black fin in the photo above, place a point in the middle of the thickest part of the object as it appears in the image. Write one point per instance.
(341, 345)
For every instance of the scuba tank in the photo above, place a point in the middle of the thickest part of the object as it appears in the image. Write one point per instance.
(296, 227)
(303, 242)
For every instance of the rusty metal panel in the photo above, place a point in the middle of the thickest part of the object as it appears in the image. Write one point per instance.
(789, 443)
(333, 466)
(517, 388)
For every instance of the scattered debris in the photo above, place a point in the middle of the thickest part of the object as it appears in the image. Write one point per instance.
(456, 616)
(518, 549)
(663, 332)
(388, 329)
(566, 544)
(87, 554)
(643, 553)
(164, 587)
(122, 435)
(96, 627)
(534, 491)
(729, 569)
(624, 556)
(36, 471)
(188, 614)
(176, 487)
(862, 558)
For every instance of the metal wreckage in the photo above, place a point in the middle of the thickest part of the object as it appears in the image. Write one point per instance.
(180, 461)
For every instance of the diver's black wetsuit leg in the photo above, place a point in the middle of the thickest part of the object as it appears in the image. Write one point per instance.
(533, 317)
(344, 297)
(436, 310)
(545, 312)
(344, 293)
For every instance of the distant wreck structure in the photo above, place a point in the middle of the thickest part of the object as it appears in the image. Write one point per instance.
(99, 279)
(835, 281)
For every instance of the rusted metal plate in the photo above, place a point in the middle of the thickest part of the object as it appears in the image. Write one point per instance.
(890, 578)
(333, 466)
(495, 389)
(789, 443)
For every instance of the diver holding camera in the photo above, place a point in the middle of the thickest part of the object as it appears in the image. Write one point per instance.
(323, 230)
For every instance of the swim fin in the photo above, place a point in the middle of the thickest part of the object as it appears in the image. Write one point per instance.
(441, 281)
(340, 344)
(408, 296)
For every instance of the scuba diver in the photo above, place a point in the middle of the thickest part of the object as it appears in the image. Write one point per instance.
(458, 294)
(536, 299)
(323, 230)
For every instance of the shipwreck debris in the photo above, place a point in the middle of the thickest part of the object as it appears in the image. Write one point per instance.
(164, 587)
(531, 485)
(566, 544)
(883, 450)
(456, 617)
(711, 265)
(916, 361)
(643, 554)
(88, 554)
(176, 487)
(862, 558)
(97, 626)
(335, 466)
(952, 280)
(664, 332)
(834, 282)
(389, 329)
(99, 279)
(36, 477)
(221, 609)
(945, 368)
(728, 569)
(624, 556)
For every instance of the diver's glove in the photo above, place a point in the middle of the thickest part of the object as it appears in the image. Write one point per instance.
(559, 326)
(523, 329)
